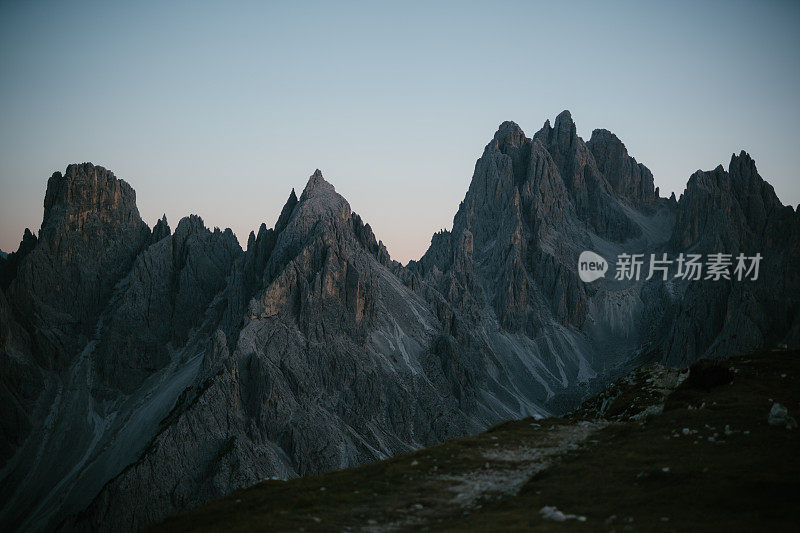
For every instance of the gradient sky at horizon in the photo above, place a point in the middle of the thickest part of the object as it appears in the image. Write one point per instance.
(219, 109)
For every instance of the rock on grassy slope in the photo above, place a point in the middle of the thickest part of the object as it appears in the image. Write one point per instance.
(655, 451)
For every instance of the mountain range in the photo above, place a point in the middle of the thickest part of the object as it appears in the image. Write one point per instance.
(146, 371)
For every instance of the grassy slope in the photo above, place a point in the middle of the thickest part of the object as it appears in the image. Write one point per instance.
(738, 482)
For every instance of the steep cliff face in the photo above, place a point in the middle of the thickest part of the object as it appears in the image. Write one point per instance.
(319, 376)
(162, 298)
(54, 288)
(145, 372)
(91, 232)
(20, 382)
(734, 212)
(98, 314)
(535, 204)
(20, 373)
(590, 191)
(627, 178)
(509, 266)
(10, 262)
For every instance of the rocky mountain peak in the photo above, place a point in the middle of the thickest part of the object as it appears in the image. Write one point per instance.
(564, 128)
(319, 213)
(161, 229)
(86, 188)
(729, 208)
(10, 262)
(189, 225)
(630, 180)
(746, 181)
(91, 232)
(508, 136)
(319, 201)
(561, 140)
(286, 212)
(743, 164)
(564, 120)
(316, 184)
(181, 368)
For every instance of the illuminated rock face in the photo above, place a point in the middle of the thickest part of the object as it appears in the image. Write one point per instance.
(144, 373)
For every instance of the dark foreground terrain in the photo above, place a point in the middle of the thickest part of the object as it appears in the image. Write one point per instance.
(659, 450)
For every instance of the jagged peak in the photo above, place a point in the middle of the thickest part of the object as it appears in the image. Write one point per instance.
(742, 154)
(565, 117)
(77, 171)
(509, 133)
(510, 140)
(564, 123)
(87, 166)
(161, 229)
(605, 143)
(190, 224)
(286, 212)
(561, 133)
(74, 183)
(604, 134)
(741, 172)
(626, 176)
(83, 188)
(320, 194)
(319, 203)
(27, 243)
(316, 182)
(11, 260)
(254, 239)
(742, 164)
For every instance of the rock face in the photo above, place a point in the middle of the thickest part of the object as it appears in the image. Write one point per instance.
(162, 298)
(91, 232)
(145, 372)
(735, 212)
(627, 178)
(10, 262)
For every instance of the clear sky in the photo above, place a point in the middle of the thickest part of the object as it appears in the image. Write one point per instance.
(220, 108)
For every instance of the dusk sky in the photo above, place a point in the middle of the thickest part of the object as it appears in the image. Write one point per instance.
(219, 109)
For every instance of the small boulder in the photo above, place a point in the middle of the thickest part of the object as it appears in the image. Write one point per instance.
(779, 416)
(549, 512)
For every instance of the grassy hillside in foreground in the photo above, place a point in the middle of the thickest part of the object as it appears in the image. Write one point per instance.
(653, 452)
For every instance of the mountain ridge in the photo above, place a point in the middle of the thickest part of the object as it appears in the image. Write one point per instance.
(195, 367)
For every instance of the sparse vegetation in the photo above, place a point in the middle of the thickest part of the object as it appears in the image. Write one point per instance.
(708, 462)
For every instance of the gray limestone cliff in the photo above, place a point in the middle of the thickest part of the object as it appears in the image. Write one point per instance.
(145, 372)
